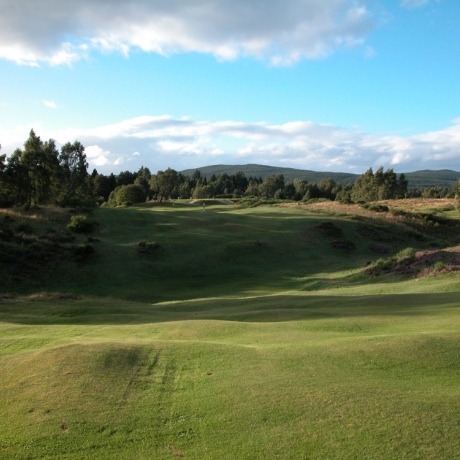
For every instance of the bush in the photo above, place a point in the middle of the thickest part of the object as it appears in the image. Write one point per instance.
(127, 195)
(147, 247)
(401, 213)
(399, 263)
(6, 201)
(329, 229)
(383, 265)
(439, 266)
(82, 224)
(84, 251)
(343, 245)
(6, 234)
(78, 202)
(406, 255)
(374, 207)
(379, 248)
(25, 228)
(378, 208)
(253, 202)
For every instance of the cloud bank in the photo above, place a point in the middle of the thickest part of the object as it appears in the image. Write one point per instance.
(159, 142)
(62, 32)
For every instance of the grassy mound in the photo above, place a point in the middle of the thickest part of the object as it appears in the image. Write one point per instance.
(281, 376)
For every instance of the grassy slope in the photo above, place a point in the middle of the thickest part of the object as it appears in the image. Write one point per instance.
(201, 253)
(221, 252)
(195, 352)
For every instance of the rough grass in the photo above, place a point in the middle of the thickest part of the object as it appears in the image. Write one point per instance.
(244, 334)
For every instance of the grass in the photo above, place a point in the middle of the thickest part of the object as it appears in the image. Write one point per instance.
(277, 377)
(244, 335)
(224, 250)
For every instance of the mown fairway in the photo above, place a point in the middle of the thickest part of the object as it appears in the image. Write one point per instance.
(245, 335)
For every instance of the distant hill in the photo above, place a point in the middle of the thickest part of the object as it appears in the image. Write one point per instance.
(424, 178)
(430, 178)
(253, 170)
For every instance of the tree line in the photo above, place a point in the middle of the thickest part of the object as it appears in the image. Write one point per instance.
(170, 184)
(40, 174)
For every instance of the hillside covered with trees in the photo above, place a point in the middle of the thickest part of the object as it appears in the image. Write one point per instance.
(444, 178)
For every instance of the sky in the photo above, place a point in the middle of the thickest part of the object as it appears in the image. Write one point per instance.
(322, 85)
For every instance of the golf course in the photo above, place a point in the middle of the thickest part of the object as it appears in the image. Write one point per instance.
(220, 329)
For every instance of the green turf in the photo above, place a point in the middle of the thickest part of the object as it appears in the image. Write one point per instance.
(246, 336)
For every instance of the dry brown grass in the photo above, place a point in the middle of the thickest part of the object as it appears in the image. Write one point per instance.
(420, 203)
(407, 204)
(330, 206)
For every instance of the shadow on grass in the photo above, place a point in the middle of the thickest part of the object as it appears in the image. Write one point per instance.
(52, 310)
(215, 253)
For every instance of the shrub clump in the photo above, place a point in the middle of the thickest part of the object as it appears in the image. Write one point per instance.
(343, 245)
(375, 207)
(383, 265)
(82, 224)
(6, 234)
(378, 248)
(25, 228)
(127, 195)
(438, 266)
(330, 230)
(406, 255)
(401, 263)
(147, 247)
(253, 202)
(84, 251)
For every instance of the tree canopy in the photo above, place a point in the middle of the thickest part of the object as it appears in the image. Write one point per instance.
(39, 174)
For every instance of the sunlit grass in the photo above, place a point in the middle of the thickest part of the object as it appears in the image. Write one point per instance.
(216, 378)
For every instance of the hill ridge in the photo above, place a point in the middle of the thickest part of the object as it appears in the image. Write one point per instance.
(419, 178)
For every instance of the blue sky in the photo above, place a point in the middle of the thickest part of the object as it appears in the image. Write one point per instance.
(325, 85)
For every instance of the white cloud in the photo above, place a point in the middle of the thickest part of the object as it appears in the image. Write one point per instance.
(50, 104)
(98, 156)
(280, 32)
(167, 141)
(159, 142)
